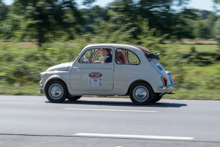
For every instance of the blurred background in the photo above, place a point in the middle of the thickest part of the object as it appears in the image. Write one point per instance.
(37, 34)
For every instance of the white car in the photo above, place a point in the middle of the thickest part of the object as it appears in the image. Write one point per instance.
(131, 70)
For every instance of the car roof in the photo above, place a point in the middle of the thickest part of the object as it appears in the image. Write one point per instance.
(145, 50)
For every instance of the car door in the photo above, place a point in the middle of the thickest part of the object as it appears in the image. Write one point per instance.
(127, 67)
(89, 73)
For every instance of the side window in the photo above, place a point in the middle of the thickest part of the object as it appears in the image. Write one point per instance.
(132, 58)
(96, 55)
(98, 58)
(121, 56)
(124, 56)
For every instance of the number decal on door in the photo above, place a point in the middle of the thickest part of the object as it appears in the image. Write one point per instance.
(95, 79)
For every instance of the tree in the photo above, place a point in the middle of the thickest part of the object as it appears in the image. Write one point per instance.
(201, 30)
(217, 23)
(91, 14)
(160, 15)
(47, 20)
(3, 11)
(119, 28)
(217, 29)
(204, 24)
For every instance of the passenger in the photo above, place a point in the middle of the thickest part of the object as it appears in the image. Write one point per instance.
(106, 53)
(120, 59)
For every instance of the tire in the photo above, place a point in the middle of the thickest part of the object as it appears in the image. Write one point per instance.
(141, 93)
(56, 91)
(156, 98)
(73, 98)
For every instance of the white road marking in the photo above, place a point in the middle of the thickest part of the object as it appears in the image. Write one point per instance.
(133, 136)
(108, 110)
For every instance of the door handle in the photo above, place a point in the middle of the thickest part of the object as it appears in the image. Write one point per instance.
(75, 67)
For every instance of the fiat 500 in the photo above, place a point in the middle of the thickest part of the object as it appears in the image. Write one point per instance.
(107, 70)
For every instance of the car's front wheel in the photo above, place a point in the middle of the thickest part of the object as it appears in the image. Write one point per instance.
(141, 93)
(56, 91)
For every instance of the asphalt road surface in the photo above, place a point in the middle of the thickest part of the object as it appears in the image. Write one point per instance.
(108, 122)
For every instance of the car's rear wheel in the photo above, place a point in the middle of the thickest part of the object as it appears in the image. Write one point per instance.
(141, 93)
(73, 98)
(56, 91)
(157, 97)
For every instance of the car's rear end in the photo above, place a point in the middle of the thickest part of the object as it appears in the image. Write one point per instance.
(166, 76)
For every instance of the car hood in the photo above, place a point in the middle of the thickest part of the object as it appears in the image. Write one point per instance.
(60, 67)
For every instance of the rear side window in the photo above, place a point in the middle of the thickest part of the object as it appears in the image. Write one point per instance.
(124, 56)
(132, 58)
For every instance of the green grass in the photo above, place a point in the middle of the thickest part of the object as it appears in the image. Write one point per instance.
(187, 48)
(17, 89)
(198, 94)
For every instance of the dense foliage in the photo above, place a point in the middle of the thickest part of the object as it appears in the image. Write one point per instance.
(52, 20)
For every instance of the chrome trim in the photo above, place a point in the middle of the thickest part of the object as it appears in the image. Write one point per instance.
(41, 91)
(56, 91)
(141, 93)
(171, 78)
(75, 67)
(41, 87)
(169, 72)
(162, 78)
(172, 87)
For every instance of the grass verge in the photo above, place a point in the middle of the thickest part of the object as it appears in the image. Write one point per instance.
(17, 89)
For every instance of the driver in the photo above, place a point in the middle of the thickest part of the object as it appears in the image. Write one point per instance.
(106, 53)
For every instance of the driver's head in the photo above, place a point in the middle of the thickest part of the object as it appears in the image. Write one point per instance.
(105, 51)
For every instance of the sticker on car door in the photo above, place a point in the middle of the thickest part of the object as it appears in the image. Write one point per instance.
(95, 79)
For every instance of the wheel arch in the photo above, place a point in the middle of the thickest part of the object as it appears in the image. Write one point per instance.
(56, 77)
(136, 81)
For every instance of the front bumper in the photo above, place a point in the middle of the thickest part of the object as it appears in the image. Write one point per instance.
(41, 87)
(167, 88)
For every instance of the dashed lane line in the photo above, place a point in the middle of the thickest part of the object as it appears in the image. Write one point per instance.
(111, 110)
(133, 136)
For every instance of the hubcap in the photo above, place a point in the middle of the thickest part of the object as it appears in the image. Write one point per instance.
(140, 93)
(56, 91)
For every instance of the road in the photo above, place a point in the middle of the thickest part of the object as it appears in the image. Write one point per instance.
(110, 122)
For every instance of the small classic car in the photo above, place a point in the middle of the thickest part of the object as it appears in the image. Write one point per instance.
(107, 70)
